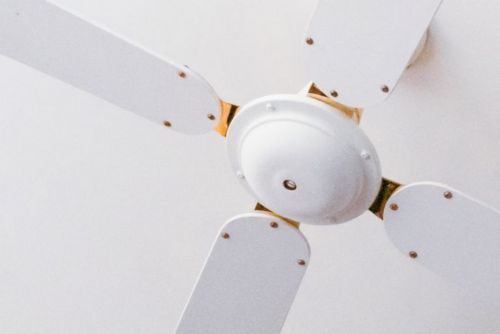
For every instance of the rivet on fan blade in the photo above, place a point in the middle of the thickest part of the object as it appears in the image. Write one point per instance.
(225, 235)
(309, 41)
(394, 207)
(448, 195)
(334, 93)
(274, 224)
(211, 117)
(181, 74)
(167, 124)
(365, 155)
(289, 185)
(270, 107)
(301, 262)
(240, 175)
(385, 89)
(413, 254)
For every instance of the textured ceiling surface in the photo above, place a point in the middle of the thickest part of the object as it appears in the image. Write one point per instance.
(106, 218)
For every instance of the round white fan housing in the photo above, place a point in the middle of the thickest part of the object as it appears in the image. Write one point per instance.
(304, 159)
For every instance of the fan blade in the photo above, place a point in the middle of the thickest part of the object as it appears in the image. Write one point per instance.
(68, 48)
(250, 278)
(358, 49)
(448, 232)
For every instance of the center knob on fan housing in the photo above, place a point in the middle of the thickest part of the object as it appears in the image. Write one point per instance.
(304, 159)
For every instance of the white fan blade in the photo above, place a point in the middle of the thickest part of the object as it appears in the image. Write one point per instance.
(358, 49)
(250, 278)
(450, 233)
(66, 47)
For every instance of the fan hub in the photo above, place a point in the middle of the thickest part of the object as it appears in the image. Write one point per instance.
(304, 159)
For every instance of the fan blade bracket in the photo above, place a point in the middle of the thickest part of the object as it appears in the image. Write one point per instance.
(387, 188)
(250, 278)
(66, 47)
(313, 91)
(449, 233)
(262, 208)
(360, 64)
(228, 111)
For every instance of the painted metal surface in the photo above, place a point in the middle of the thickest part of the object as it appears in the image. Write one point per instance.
(359, 49)
(250, 278)
(53, 41)
(448, 232)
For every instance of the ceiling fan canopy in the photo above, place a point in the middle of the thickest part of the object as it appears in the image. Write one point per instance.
(303, 159)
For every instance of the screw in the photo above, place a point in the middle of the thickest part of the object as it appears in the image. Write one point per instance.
(413, 254)
(289, 184)
(394, 207)
(301, 262)
(385, 89)
(309, 41)
(365, 155)
(225, 235)
(167, 124)
(270, 107)
(334, 93)
(181, 74)
(211, 117)
(448, 195)
(274, 224)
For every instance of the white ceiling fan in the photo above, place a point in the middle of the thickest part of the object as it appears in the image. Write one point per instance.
(302, 156)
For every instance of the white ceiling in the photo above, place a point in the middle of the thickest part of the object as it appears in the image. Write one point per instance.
(106, 218)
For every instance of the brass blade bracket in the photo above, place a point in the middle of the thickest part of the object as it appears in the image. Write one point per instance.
(260, 207)
(313, 91)
(387, 188)
(228, 111)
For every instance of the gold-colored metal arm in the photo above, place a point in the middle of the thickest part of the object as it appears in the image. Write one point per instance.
(260, 207)
(314, 92)
(387, 188)
(228, 111)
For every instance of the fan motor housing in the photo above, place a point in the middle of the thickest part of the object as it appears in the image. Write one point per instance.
(304, 159)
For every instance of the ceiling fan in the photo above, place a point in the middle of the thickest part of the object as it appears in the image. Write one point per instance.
(302, 156)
